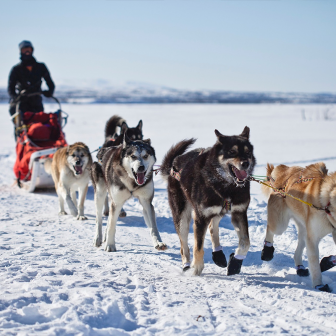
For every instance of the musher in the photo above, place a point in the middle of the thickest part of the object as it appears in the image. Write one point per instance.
(27, 76)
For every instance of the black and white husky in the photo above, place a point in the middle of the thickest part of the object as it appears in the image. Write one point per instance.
(125, 171)
(209, 183)
(115, 128)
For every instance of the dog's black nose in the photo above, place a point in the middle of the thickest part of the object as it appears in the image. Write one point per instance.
(244, 164)
(141, 168)
(78, 163)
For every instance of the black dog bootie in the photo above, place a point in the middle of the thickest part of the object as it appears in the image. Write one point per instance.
(302, 271)
(234, 265)
(327, 263)
(219, 259)
(267, 253)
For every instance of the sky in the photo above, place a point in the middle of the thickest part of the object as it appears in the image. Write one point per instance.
(264, 45)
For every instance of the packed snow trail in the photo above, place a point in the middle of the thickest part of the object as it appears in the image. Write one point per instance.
(54, 282)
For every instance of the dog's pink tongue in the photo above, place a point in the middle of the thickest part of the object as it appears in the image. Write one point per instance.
(241, 174)
(78, 169)
(141, 178)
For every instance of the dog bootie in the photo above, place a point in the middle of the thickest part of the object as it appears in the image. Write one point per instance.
(122, 213)
(185, 267)
(327, 263)
(219, 259)
(267, 252)
(234, 265)
(302, 271)
(323, 288)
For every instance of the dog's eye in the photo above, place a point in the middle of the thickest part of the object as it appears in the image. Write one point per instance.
(145, 156)
(73, 155)
(82, 155)
(133, 157)
(232, 152)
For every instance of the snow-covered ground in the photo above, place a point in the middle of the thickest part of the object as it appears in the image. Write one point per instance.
(54, 282)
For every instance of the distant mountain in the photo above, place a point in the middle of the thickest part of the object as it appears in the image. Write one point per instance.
(101, 92)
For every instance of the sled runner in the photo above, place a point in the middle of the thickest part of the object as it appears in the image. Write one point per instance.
(38, 136)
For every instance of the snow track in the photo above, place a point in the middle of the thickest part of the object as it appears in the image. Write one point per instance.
(54, 282)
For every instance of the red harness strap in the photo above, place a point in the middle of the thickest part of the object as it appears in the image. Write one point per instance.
(176, 175)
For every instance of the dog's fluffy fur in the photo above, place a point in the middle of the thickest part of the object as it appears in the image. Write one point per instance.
(209, 178)
(125, 171)
(70, 170)
(312, 224)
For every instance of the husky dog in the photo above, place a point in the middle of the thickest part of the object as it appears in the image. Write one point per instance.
(112, 138)
(314, 185)
(70, 168)
(125, 171)
(208, 183)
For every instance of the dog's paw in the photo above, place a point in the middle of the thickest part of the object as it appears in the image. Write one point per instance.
(79, 217)
(198, 269)
(234, 265)
(110, 248)
(62, 213)
(219, 259)
(97, 241)
(267, 253)
(161, 246)
(323, 288)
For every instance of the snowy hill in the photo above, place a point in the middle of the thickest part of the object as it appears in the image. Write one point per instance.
(104, 93)
(54, 282)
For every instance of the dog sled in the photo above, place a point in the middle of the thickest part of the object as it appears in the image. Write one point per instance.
(38, 136)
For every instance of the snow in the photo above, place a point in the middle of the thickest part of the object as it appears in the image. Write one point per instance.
(54, 282)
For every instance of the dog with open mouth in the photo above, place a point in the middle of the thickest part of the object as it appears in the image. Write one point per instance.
(125, 171)
(210, 183)
(70, 170)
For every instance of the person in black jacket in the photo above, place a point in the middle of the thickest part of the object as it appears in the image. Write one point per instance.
(27, 75)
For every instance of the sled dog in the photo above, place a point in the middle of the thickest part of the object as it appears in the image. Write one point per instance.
(113, 138)
(314, 185)
(70, 170)
(209, 183)
(125, 171)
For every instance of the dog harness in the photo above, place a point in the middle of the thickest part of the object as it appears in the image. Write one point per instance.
(283, 193)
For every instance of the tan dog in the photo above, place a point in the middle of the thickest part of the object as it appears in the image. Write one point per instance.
(70, 170)
(314, 185)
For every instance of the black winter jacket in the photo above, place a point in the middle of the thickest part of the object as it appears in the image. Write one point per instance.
(20, 78)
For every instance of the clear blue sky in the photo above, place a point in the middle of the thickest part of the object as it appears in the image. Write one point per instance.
(219, 45)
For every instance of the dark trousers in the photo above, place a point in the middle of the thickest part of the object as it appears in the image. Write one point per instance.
(27, 104)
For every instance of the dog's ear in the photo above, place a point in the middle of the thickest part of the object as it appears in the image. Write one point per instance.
(68, 150)
(220, 136)
(123, 128)
(147, 141)
(246, 133)
(126, 140)
(139, 126)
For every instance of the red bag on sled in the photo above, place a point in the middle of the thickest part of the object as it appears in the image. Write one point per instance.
(43, 131)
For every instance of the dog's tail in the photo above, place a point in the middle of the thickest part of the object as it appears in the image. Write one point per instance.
(267, 190)
(112, 124)
(173, 152)
(47, 165)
